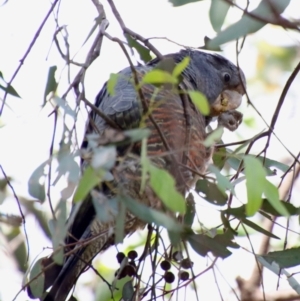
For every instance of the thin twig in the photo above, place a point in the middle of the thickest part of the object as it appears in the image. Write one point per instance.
(50, 165)
(22, 60)
(19, 207)
(281, 100)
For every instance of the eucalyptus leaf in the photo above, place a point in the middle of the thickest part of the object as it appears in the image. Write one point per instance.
(210, 192)
(214, 137)
(9, 89)
(37, 279)
(182, 2)
(272, 194)
(128, 291)
(248, 24)
(88, 181)
(200, 101)
(217, 13)
(157, 76)
(62, 103)
(180, 67)
(60, 232)
(164, 186)
(258, 228)
(150, 215)
(285, 259)
(111, 83)
(142, 50)
(36, 182)
(51, 84)
(275, 268)
(255, 184)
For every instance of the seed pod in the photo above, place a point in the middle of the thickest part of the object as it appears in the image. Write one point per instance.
(169, 277)
(186, 263)
(184, 275)
(120, 257)
(165, 265)
(132, 254)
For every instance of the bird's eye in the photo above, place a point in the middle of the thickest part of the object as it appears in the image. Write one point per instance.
(227, 77)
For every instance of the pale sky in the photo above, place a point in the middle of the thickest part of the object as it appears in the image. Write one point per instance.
(27, 132)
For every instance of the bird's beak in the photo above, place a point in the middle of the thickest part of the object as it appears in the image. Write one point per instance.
(226, 101)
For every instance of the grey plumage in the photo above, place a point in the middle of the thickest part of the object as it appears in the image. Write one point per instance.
(206, 73)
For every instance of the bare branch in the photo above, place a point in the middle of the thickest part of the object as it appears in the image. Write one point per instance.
(131, 32)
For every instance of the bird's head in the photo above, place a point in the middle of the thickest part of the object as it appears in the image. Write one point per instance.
(222, 82)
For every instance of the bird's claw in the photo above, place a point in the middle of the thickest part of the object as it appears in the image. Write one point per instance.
(230, 119)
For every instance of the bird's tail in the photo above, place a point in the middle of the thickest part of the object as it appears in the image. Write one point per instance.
(62, 278)
(75, 264)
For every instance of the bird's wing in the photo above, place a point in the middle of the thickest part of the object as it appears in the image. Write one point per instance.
(177, 132)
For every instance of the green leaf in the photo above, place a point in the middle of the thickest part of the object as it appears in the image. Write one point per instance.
(247, 24)
(182, 2)
(226, 239)
(202, 244)
(120, 223)
(175, 238)
(19, 252)
(255, 184)
(210, 192)
(145, 163)
(209, 47)
(10, 90)
(67, 165)
(199, 101)
(234, 162)
(213, 137)
(36, 183)
(238, 212)
(150, 215)
(107, 210)
(222, 181)
(219, 157)
(137, 134)
(98, 21)
(62, 103)
(60, 231)
(268, 163)
(268, 208)
(164, 186)
(157, 76)
(274, 267)
(37, 279)
(128, 291)
(272, 195)
(51, 84)
(142, 50)
(180, 67)
(217, 13)
(285, 259)
(258, 228)
(190, 211)
(88, 181)
(111, 83)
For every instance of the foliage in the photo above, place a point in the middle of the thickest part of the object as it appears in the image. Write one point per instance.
(234, 166)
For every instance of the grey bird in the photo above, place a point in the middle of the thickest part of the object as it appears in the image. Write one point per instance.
(183, 127)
